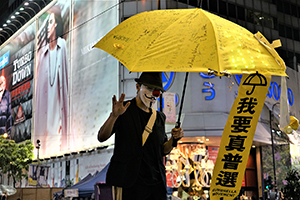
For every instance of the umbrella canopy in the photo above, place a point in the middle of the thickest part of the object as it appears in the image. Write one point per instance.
(190, 40)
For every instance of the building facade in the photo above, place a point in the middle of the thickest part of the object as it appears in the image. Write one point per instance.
(93, 77)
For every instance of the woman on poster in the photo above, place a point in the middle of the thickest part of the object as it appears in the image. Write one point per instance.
(51, 105)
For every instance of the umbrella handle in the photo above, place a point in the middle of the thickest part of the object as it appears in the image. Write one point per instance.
(174, 144)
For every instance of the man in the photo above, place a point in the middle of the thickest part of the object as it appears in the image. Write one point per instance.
(136, 170)
(4, 196)
(5, 108)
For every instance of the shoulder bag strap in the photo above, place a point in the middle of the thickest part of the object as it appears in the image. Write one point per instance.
(149, 126)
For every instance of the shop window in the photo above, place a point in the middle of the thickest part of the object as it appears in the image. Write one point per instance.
(231, 10)
(241, 13)
(222, 8)
(213, 5)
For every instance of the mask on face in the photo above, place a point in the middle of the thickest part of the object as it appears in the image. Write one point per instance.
(148, 95)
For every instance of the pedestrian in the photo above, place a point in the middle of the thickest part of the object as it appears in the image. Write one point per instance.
(4, 196)
(136, 169)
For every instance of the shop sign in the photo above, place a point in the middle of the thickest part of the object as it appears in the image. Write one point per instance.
(71, 193)
(4, 60)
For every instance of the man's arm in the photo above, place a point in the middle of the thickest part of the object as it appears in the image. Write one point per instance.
(106, 129)
(176, 133)
(117, 109)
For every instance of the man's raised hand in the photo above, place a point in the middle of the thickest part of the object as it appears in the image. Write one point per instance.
(118, 107)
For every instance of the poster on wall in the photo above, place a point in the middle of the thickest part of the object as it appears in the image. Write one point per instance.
(16, 85)
(38, 175)
(94, 75)
(51, 80)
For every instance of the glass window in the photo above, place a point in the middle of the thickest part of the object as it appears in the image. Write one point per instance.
(296, 34)
(281, 30)
(287, 8)
(204, 4)
(279, 6)
(231, 10)
(222, 8)
(213, 5)
(282, 53)
(241, 13)
(193, 3)
(289, 32)
(250, 16)
(260, 19)
(294, 10)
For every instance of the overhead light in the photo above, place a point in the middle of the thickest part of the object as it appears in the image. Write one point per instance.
(13, 17)
(4, 25)
(26, 4)
(253, 146)
(8, 21)
(21, 8)
(1, 29)
(17, 13)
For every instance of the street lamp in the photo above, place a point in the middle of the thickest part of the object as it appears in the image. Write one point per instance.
(272, 140)
(38, 145)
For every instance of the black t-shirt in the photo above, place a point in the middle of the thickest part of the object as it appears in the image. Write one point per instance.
(128, 130)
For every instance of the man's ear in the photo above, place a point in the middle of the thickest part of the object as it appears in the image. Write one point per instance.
(138, 86)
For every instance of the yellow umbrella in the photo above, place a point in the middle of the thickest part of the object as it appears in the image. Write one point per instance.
(190, 40)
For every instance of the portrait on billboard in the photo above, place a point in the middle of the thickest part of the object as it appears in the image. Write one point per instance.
(51, 86)
(16, 84)
(5, 108)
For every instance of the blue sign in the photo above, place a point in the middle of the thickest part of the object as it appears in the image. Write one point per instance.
(4, 60)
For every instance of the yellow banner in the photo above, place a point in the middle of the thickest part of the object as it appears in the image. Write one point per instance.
(237, 137)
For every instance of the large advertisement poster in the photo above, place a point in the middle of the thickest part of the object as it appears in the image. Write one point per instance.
(72, 77)
(51, 82)
(16, 85)
(94, 73)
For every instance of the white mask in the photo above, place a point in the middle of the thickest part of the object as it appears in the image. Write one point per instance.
(146, 96)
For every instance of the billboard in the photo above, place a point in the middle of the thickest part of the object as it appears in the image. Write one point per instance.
(51, 80)
(16, 85)
(71, 77)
